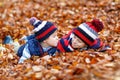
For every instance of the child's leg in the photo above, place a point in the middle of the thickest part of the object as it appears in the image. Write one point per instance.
(8, 40)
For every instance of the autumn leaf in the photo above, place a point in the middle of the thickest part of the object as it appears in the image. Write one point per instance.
(77, 65)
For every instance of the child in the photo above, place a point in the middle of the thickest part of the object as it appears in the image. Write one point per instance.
(84, 37)
(44, 40)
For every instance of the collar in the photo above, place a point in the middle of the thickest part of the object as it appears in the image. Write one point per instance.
(45, 49)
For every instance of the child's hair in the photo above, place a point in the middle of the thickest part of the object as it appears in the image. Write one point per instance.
(88, 33)
(42, 29)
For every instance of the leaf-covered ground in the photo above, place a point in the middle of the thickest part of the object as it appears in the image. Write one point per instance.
(66, 14)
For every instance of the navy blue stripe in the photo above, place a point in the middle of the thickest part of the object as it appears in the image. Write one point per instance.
(52, 51)
(46, 36)
(70, 40)
(63, 45)
(96, 46)
(37, 24)
(47, 26)
(20, 50)
(85, 34)
(35, 48)
(82, 39)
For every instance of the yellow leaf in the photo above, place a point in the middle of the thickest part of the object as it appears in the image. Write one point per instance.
(1, 4)
(56, 67)
(75, 63)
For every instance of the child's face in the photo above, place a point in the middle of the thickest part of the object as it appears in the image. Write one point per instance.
(77, 43)
(52, 40)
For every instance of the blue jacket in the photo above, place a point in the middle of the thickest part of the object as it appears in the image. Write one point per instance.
(33, 47)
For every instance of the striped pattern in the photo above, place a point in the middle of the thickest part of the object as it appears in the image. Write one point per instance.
(86, 34)
(36, 21)
(32, 47)
(43, 29)
(87, 31)
(64, 44)
(40, 26)
(44, 35)
(83, 37)
(92, 31)
(97, 44)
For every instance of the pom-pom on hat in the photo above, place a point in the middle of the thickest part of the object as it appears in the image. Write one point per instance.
(42, 29)
(88, 33)
(96, 25)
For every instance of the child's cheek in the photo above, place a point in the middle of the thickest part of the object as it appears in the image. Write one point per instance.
(54, 42)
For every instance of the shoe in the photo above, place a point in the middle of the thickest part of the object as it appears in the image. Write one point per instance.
(8, 40)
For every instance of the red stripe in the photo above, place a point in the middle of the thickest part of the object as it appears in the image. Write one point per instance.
(83, 37)
(45, 33)
(66, 42)
(91, 26)
(60, 47)
(95, 42)
(101, 44)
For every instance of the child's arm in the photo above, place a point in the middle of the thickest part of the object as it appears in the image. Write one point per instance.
(26, 38)
(25, 55)
(32, 47)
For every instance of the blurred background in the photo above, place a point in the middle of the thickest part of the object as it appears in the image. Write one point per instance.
(65, 14)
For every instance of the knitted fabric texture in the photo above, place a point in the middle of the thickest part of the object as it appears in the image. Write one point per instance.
(34, 48)
(42, 29)
(65, 43)
(88, 33)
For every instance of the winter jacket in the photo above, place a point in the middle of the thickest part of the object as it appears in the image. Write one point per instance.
(33, 47)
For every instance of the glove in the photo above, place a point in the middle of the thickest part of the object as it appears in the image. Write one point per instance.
(8, 40)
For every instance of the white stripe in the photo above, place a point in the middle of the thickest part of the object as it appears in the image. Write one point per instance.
(71, 36)
(40, 26)
(90, 29)
(26, 52)
(36, 22)
(87, 31)
(25, 55)
(70, 48)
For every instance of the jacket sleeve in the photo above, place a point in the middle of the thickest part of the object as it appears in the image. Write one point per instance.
(26, 38)
(32, 47)
(25, 55)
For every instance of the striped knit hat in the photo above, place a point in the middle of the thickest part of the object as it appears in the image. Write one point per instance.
(88, 33)
(42, 29)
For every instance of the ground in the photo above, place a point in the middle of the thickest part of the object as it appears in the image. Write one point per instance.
(66, 14)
